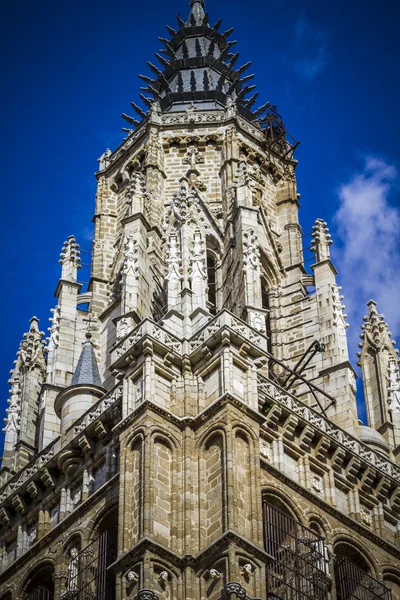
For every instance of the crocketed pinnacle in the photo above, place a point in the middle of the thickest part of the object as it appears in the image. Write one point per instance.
(87, 370)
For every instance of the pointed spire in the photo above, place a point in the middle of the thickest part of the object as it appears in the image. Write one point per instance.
(70, 259)
(321, 240)
(197, 13)
(87, 370)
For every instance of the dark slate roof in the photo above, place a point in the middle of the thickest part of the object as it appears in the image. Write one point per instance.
(87, 370)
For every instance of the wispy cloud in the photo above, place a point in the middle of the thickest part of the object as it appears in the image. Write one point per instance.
(309, 55)
(368, 226)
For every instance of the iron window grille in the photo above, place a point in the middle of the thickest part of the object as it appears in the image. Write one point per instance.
(90, 577)
(352, 583)
(299, 569)
(40, 593)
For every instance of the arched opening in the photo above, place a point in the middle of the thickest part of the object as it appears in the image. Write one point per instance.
(392, 581)
(297, 568)
(353, 575)
(40, 585)
(90, 575)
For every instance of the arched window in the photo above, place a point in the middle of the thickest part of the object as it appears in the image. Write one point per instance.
(40, 586)
(266, 306)
(353, 575)
(212, 284)
(298, 568)
(89, 575)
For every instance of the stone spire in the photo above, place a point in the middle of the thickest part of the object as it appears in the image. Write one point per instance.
(70, 259)
(87, 370)
(379, 365)
(25, 381)
(321, 241)
(196, 12)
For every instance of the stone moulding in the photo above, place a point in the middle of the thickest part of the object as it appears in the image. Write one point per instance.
(51, 452)
(323, 425)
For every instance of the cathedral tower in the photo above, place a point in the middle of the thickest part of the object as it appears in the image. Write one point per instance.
(193, 435)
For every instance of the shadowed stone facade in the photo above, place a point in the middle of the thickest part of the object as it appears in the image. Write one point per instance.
(195, 436)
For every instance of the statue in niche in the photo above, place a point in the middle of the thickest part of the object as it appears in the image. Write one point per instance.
(394, 386)
(73, 570)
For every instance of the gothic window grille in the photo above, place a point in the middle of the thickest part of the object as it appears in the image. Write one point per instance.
(40, 593)
(352, 583)
(92, 578)
(99, 475)
(212, 285)
(54, 516)
(298, 569)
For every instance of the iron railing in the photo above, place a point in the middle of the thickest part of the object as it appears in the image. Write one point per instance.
(40, 593)
(89, 576)
(299, 569)
(354, 584)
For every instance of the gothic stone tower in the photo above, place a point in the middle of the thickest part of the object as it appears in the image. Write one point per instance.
(189, 429)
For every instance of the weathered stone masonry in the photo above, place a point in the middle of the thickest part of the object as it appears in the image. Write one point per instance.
(195, 436)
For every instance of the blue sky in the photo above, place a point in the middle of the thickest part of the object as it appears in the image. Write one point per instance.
(70, 69)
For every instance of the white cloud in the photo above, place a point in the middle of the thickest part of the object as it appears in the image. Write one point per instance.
(368, 227)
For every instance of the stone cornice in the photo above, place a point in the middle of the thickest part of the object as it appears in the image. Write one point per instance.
(341, 517)
(46, 540)
(195, 561)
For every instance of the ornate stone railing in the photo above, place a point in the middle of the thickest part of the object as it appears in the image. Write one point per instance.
(328, 428)
(50, 452)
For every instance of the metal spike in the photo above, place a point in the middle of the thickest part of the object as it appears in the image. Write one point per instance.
(234, 60)
(148, 101)
(150, 90)
(163, 40)
(171, 31)
(129, 119)
(217, 25)
(244, 91)
(128, 131)
(162, 60)
(155, 69)
(262, 109)
(165, 83)
(243, 68)
(252, 101)
(247, 78)
(139, 110)
(180, 22)
(147, 79)
(228, 32)
(232, 87)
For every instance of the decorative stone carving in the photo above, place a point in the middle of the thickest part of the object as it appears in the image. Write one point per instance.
(77, 497)
(338, 308)
(214, 574)
(173, 258)
(130, 258)
(197, 258)
(146, 595)
(131, 576)
(54, 330)
(251, 255)
(321, 240)
(233, 588)
(366, 517)
(104, 160)
(193, 157)
(316, 484)
(13, 411)
(73, 570)
(265, 451)
(394, 386)
(123, 328)
(247, 570)
(163, 577)
(32, 537)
